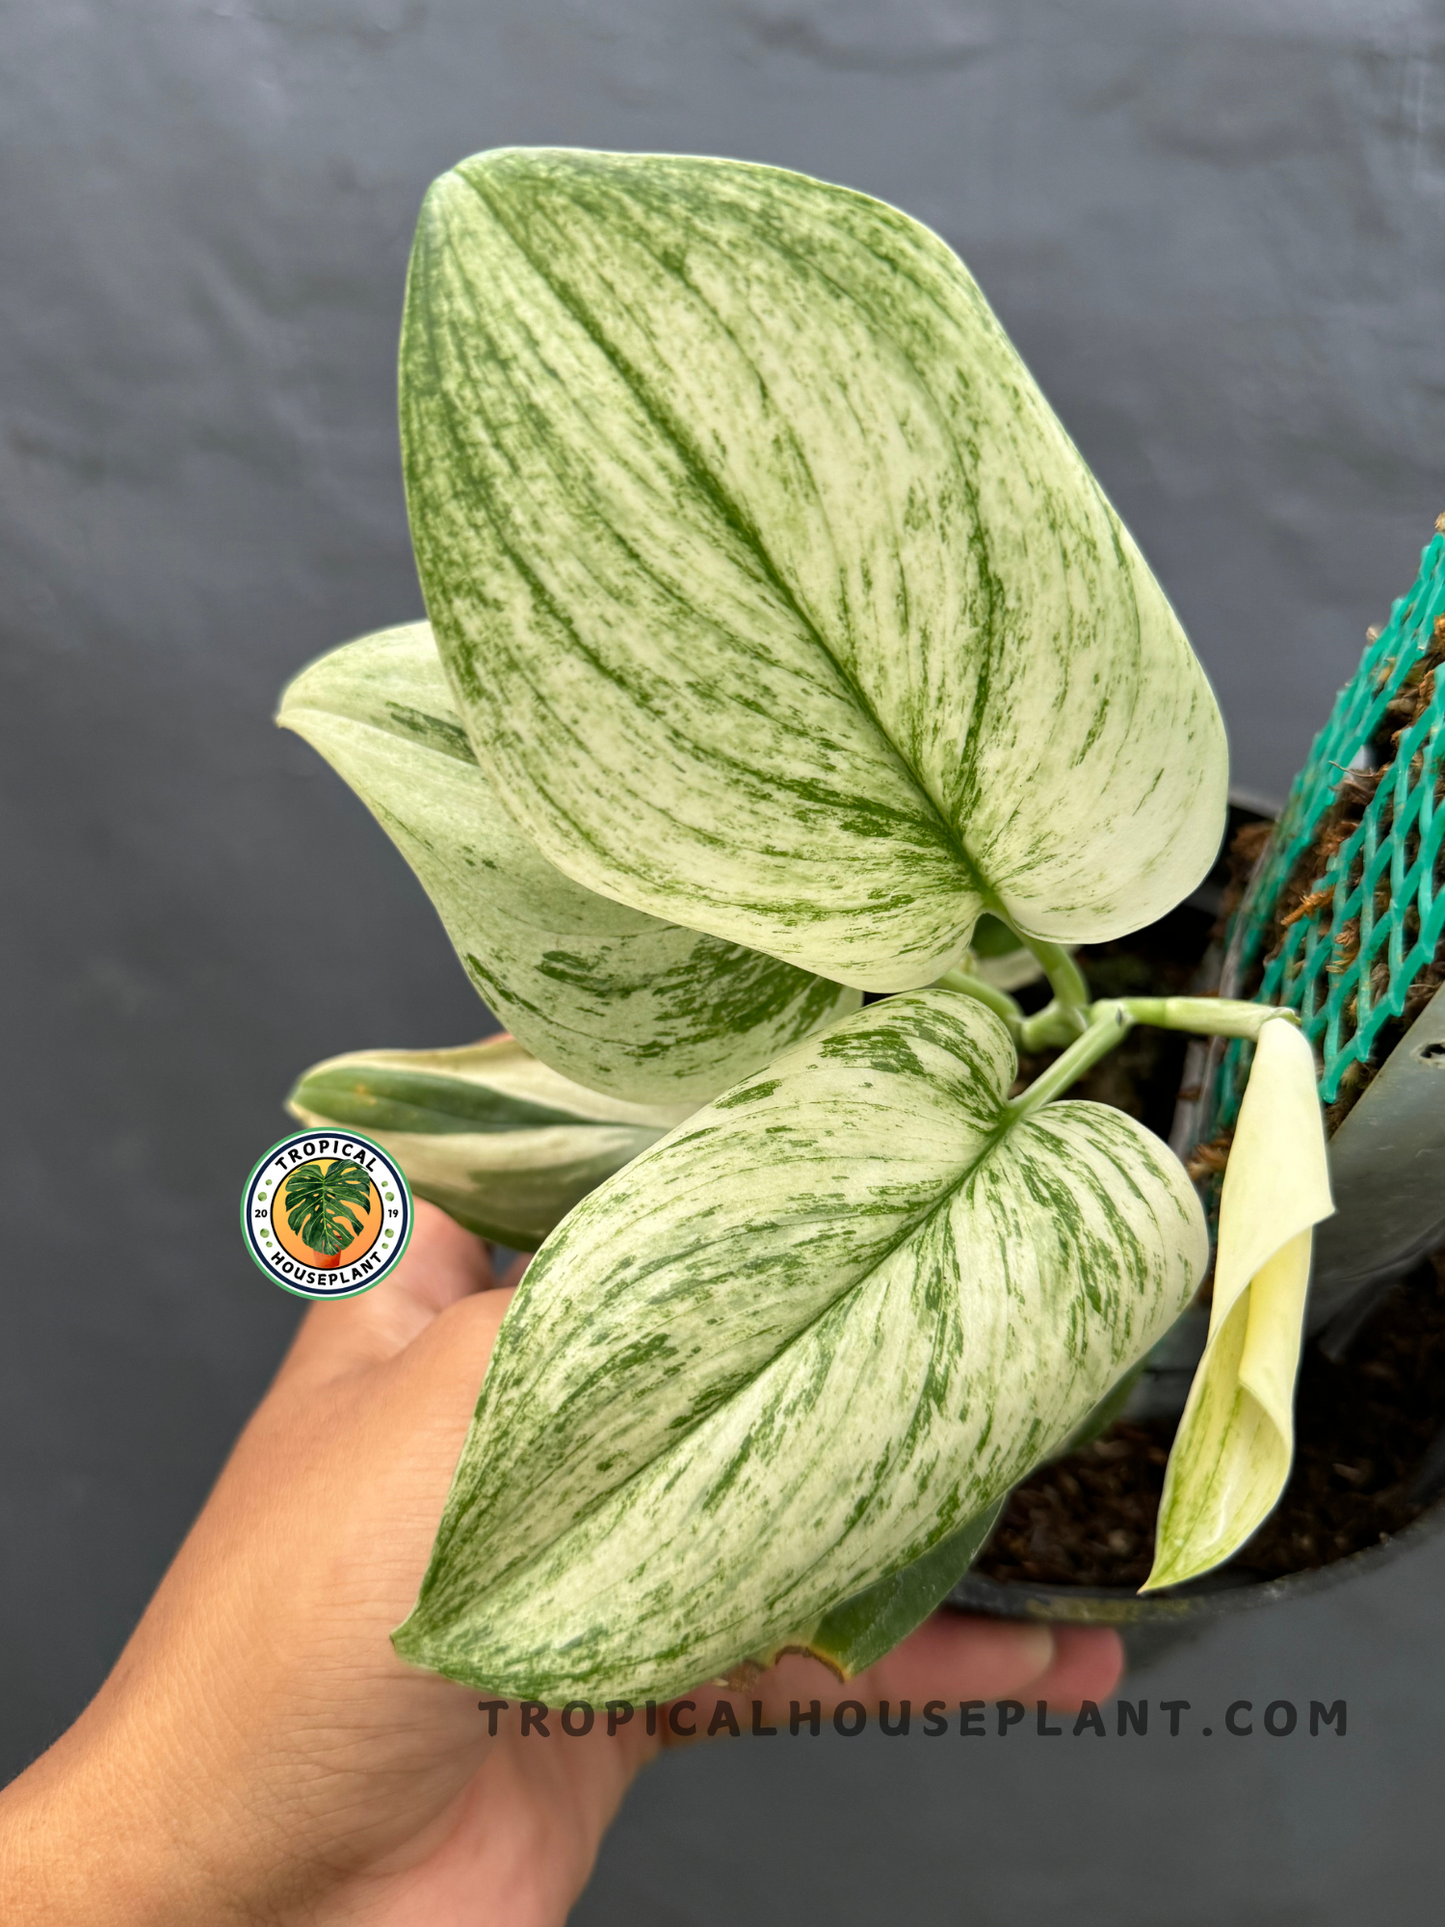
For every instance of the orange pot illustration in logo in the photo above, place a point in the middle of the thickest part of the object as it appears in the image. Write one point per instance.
(327, 1213)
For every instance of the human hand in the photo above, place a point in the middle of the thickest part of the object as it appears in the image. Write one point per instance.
(259, 1752)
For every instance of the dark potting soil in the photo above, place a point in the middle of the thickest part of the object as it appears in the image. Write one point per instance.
(1365, 1426)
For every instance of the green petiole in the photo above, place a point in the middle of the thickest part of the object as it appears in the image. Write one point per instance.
(998, 1001)
(1071, 992)
(1206, 1016)
(1107, 1021)
(1086, 1029)
(1109, 1024)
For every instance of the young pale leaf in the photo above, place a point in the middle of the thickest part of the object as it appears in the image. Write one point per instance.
(1232, 1452)
(610, 997)
(815, 1331)
(492, 1136)
(777, 601)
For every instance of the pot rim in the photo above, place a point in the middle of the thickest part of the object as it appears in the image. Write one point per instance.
(1210, 1597)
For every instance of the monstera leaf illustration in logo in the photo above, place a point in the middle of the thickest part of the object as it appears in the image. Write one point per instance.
(319, 1200)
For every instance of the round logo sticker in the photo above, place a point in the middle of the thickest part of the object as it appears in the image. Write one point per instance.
(326, 1214)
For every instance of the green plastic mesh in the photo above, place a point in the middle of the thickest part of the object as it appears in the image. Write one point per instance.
(1374, 915)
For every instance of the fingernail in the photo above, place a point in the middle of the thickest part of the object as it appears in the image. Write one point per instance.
(1034, 1649)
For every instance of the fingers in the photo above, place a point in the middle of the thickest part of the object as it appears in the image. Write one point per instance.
(955, 1656)
(1088, 1665)
(950, 1658)
(443, 1263)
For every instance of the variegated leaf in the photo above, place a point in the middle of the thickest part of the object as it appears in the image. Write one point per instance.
(793, 1347)
(608, 996)
(860, 1631)
(498, 1140)
(776, 599)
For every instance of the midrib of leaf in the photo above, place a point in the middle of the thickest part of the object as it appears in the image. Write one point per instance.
(737, 519)
(545, 598)
(470, 1106)
(638, 695)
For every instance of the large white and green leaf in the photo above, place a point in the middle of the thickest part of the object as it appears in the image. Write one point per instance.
(775, 598)
(794, 1347)
(608, 996)
(498, 1140)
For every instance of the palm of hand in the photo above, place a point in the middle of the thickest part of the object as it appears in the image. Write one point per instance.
(265, 1754)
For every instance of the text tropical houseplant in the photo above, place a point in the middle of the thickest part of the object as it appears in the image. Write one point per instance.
(778, 633)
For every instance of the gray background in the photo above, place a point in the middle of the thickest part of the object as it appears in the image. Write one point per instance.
(1215, 230)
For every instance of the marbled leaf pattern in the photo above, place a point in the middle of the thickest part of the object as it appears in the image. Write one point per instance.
(804, 1338)
(498, 1140)
(609, 997)
(776, 601)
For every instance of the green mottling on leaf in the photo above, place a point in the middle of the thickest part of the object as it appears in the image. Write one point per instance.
(788, 635)
(876, 1322)
(608, 996)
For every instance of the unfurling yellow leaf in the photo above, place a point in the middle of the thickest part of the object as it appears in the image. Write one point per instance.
(1235, 1442)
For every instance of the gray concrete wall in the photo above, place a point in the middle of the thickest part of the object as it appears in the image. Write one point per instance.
(1214, 229)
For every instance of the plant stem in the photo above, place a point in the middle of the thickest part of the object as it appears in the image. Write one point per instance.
(1067, 1016)
(1112, 1018)
(998, 1001)
(1050, 1028)
(1071, 992)
(1207, 1016)
(1071, 1016)
(1109, 1023)
(1210, 1016)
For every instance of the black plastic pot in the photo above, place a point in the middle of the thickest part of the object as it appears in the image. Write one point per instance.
(1156, 1622)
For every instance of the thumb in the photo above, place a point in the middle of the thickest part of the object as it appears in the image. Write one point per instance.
(442, 1264)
